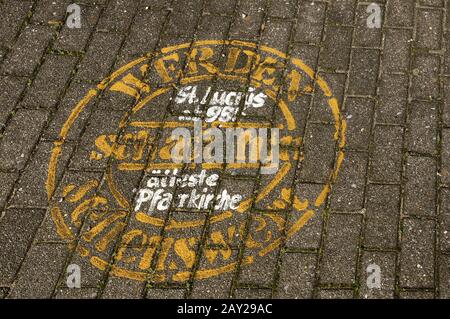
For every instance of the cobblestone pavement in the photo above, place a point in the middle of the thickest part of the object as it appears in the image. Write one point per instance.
(75, 155)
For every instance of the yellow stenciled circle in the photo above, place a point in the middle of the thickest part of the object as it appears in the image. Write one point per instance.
(63, 226)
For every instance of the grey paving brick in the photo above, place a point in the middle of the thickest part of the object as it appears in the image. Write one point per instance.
(17, 229)
(99, 57)
(8, 180)
(444, 277)
(335, 294)
(445, 157)
(364, 72)
(397, 46)
(446, 102)
(386, 161)
(309, 236)
(335, 54)
(420, 192)
(296, 276)
(386, 262)
(17, 143)
(418, 294)
(309, 27)
(359, 113)
(155, 293)
(382, 216)
(50, 82)
(27, 51)
(348, 191)
(76, 39)
(319, 153)
(121, 288)
(9, 95)
(341, 12)
(248, 21)
(117, 16)
(76, 293)
(400, 13)
(422, 128)
(31, 188)
(429, 29)
(48, 11)
(13, 16)
(425, 83)
(445, 220)
(223, 7)
(245, 293)
(338, 265)
(417, 255)
(393, 94)
(40, 272)
(364, 36)
(276, 34)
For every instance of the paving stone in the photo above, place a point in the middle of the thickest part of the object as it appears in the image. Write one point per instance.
(297, 276)
(99, 57)
(31, 188)
(74, 93)
(335, 294)
(348, 192)
(416, 295)
(364, 36)
(76, 293)
(248, 20)
(397, 46)
(5, 188)
(446, 106)
(39, 272)
(386, 161)
(429, 29)
(13, 16)
(76, 39)
(17, 143)
(276, 34)
(359, 113)
(48, 11)
(213, 287)
(50, 82)
(245, 293)
(341, 12)
(386, 262)
(382, 216)
(445, 156)
(445, 219)
(27, 51)
(393, 92)
(420, 193)
(417, 255)
(444, 277)
(309, 28)
(223, 6)
(121, 288)
(336, 48)
(363, 72)
(341, 248)
(400, 13)
(425, 83)
(12, 89)
(155, 293)
(309, 236)
(117, 16)
(319, 153)
(422, 128)
(17, 229)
